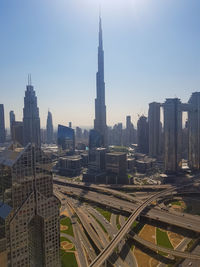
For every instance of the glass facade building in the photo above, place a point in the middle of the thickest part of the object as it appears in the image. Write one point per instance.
(66, 138)
(31, 119)
(2, 125)
(95, 139)
(29, 212)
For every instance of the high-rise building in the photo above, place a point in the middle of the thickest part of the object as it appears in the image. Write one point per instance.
(49, 129)
(96, 172)
(194, 131)
(95, 139)
(154, 129)
(129, 134)
(143, 135)
(172, 134)
(116, 167)
(185, 141)
(100, 107)
(128, 122)
(12, 119)
(116, 135)
(78, 133)
(29, 211)
(31, 117)
(18, 132)
(178, 143)
(43, 136)
(85, 134)
(66, 138)
(97, 159)
(2, 125)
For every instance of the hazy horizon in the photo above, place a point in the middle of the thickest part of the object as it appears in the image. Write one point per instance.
(151, 53)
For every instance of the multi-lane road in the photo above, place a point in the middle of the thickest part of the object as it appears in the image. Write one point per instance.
(105, 253)
(93, 229)
(135, 207)
(185, 221)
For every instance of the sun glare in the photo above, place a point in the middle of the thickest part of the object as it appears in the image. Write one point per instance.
(112, 5)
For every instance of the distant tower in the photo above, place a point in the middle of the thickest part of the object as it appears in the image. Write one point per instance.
(31, 117)
(128, 122)
(66, 138)
(143, 135)
(49, 128)
(2, 125)
(129, 132)
(194, 131)
(100, 108)
(18, 132)
(12, 119)
(154, 129)
(172, 134)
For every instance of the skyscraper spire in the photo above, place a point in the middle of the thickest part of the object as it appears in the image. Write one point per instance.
(29, 79)
(100, 108)
(49, 128)
(100, 33)
(31, 119)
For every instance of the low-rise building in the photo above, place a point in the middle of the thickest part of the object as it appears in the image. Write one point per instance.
(96, 172)
(130, 164)
(69, 166)
(143, 165)
(116, 168)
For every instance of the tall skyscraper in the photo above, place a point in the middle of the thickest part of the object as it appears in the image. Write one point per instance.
(143, 135)
(29, 211)
(172, 134)
(129, 134)
(116, 135)
(31, 117)
(128, 121)
(100, 107)
(95, 139)
(154, 129)
(18, 132)
(194, 131)
(12, 119)
(66, 138)
(2, 125)
(78, 133)
(49, 128)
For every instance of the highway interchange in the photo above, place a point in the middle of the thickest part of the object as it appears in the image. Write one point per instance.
(115, 199)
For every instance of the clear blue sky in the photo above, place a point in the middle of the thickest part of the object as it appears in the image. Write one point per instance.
(152, 51)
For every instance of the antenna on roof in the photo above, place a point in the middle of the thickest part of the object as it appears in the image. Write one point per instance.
(99, 10)
(29, 79)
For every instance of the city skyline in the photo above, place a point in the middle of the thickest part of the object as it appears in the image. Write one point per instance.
(135, 71)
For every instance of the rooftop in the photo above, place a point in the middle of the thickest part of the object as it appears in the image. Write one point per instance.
(116, 153)
(9, 156)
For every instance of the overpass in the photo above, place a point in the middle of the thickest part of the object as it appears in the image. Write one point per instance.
(112, 188)
(176, 253)
(106, 252)
(189, 222)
